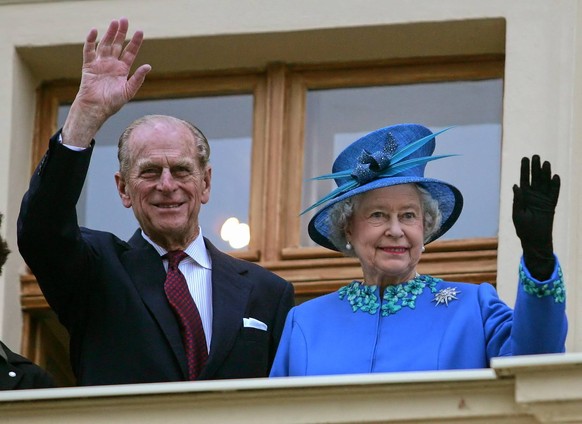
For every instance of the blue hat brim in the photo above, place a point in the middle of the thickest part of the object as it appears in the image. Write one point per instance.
(449, 198)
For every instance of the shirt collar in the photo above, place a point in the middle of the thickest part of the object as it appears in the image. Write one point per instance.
(195, 250)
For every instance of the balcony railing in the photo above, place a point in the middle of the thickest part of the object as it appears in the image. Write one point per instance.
(527, 389)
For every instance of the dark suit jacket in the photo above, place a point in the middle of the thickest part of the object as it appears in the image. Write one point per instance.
(109, 294)
(18, 372)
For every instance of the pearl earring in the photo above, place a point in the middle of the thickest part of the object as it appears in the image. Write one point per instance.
(348, 246)
(422, 249)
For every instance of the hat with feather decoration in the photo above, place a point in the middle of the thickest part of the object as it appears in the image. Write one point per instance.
(386, 157)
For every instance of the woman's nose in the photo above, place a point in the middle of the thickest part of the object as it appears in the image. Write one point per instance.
(393, 228)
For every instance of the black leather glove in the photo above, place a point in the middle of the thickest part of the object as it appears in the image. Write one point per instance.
(534, 204)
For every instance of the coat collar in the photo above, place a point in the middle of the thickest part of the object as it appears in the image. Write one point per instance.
(147, 272)
(230, 298)
(230, 293)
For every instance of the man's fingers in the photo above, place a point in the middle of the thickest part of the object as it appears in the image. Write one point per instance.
(92, 36)
(109, 36)
(132, 49)
(137, 79)
(121, 30)
(120, 36)
(89, 46)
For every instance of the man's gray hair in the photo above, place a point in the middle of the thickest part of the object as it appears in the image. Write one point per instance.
(123, 156)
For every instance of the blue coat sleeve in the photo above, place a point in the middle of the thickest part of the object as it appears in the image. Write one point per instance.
(538, 323)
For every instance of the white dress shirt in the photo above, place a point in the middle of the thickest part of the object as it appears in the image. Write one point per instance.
(197, 269)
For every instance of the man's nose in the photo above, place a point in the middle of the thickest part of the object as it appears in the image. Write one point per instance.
(166, 181)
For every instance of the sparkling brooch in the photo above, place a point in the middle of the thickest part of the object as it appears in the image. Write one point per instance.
(444, 296)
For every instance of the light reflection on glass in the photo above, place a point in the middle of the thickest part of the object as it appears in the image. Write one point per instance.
(236, 233)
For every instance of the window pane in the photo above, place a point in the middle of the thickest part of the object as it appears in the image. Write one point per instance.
(337, 117)
(227, 123)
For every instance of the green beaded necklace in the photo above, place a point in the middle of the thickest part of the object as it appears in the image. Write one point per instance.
(364, 298)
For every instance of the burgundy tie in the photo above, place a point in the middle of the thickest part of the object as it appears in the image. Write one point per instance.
(187, 313)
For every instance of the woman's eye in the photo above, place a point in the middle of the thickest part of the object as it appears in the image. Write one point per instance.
(377, 215)
(377, 218)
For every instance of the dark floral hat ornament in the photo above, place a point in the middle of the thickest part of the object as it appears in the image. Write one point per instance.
(389, 156)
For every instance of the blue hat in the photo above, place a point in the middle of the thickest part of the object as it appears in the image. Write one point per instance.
(386, 157)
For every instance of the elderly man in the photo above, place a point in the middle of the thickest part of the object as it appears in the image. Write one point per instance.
(165, 305)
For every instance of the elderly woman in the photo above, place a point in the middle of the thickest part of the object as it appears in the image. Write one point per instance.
(383, 212)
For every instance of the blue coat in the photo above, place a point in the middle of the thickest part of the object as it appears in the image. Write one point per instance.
(327, 335)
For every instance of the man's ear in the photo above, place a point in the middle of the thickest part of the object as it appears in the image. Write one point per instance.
(206, 185)
(122, 190)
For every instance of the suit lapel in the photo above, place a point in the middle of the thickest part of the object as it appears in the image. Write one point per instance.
(147, 272)
(230, 295)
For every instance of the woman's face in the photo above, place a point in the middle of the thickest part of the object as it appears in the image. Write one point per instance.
(386, 231)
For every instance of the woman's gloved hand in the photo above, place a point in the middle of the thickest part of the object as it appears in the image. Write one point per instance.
(534, 203)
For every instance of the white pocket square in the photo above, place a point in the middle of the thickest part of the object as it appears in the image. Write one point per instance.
(254, 323)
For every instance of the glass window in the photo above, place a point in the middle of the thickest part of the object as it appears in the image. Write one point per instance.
(227, 123)
(336, 117)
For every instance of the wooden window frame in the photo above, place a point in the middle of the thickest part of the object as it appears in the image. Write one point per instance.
(278, 130)
(54, 94)
(279, 107)
(319, 270)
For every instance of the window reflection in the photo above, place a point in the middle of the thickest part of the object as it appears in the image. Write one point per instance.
(337, 117)
(227, 123)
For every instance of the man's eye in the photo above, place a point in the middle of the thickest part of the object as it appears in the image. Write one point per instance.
(149, 172)
(408, 216)
(181, 172)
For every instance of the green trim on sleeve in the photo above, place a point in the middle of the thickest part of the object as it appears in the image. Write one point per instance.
(554, 288)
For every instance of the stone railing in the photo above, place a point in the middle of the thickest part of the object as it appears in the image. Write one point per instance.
(527, 389)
